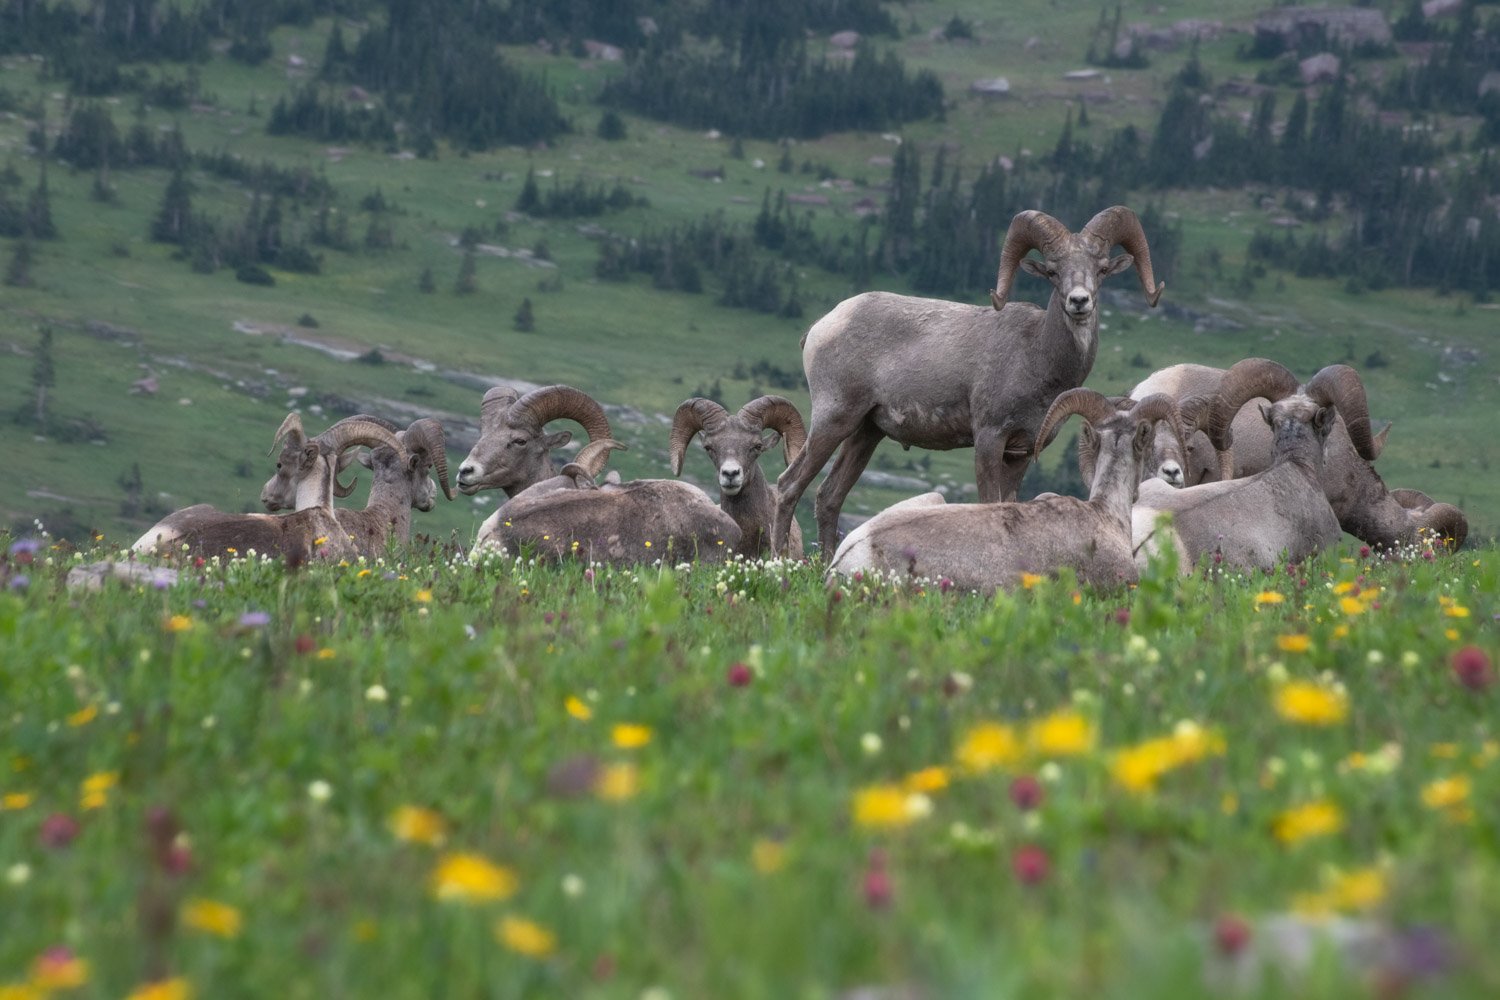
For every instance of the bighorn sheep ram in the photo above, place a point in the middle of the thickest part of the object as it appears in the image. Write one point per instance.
(570, 516)
(1366, 509)
(1177, 461)
(735, 443)
(988, 545)
(311, 531)
(302, 478)
(400, 483)
(946, 375)
(1279, 512)
(514, 448)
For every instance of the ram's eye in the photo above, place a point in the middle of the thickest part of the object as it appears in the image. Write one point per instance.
(518, 442)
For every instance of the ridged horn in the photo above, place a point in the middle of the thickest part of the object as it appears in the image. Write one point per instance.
(692, 416)
(562, 402)
(354, 431)
(780, 415)
(1193, 411)
(1094, 407)
(1412, 499)
(1029, 230)
(591, 458)
(425, 435)
(1159, 406)
(345, 459)
(1445, 522)
(1244, 381)
(1339, 386)
(291, 425)
(496, 401)
(341, 463)
(1118, 224)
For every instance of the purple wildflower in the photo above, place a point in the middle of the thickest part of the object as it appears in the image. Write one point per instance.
(255, 619)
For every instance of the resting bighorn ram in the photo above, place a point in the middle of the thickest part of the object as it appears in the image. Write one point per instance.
(1281, 511)
(945, 375)
(1366, 509)
(514, 448)
(311, 531)
(570, 516)
(735, 443)
(302, 477)
(400, 483)
(988, 545)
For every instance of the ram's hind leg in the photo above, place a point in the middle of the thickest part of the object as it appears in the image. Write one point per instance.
(823, 440)
(851, 461)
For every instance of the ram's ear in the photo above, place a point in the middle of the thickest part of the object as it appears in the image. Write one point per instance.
(309, 454)
(769, 440)
(1324, 420)
(1145, 435)
(1117, 264)
(1035, 268)
(365, 458)
(558, 440)
(1265, 412)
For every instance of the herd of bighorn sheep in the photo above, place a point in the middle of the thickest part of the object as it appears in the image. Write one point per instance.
(1246, 465)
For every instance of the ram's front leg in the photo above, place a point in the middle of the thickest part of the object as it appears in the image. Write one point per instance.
(1000, 459)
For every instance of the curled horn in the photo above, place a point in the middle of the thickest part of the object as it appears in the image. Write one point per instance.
(1094, 406)
(496, 401)
(555, 402)
(1195, 411)
(425, 437)
(1445, 523)
(1119, 224)
(1029, 230)
(1339, 386)
(291, 425)
(353, 431)
(1088, 450)
(1244, 381)
(1159, 406)
(780, 415)
(692, 416)
(592, 457)
(345, 459)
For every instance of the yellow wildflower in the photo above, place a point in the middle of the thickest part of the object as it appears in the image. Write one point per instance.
(326, 653)
(424, 597)
(1310, 704)
(1355, 891)
(13, 801)
(1447, 793)
(1268, 597)
(320, 540)
(1319, 818)
(1341, 631)
(629, 736)
(1293, 643)
(767, 855)
(58, 969)
(888, 806)
(362, 574)
(1352, 606)
(471, 878)
(21, 991)
(178, 623)
(212, 917)
(176, 988)
(83, 716)
(1138, 768)
(525, 937)
(1343, 588)
(618, 782)
(419, 826)
(927, 780)
(1029, 580)
(987, 746)
(1456, 611)
(94, 792)
(577, 709)
(1061, 734)
(1445, 751)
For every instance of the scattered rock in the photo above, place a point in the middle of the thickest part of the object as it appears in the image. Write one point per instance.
(1083, 74)
(997, 86)
(91, 576)
(844, 39)
(1299, 26)
(1321, 68)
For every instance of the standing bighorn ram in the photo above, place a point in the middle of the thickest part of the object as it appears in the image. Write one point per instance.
(945, 375)
(735, 443)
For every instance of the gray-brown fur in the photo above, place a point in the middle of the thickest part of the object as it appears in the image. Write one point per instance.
(945, 375)
(735, 442)
(514, 450)
(307, 467)
(991, 545)
(400, 483)
(568, 516)
(1255, 521)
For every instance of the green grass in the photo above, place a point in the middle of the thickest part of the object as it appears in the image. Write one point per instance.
(738, 865)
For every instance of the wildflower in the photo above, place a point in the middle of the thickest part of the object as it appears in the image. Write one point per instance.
(83, 716)
(1029, 580)
(1138, 768)
(1310, 704)
(1061, 734)
(876, 885)
(255, 619)
(18, 873)
(629, 736)
(888, 806)
(1319, 818)
(377, 693)
(768, 856)
(176, 988)
(326, 653)
(871, 744)
(1030, 863)
(1268, 597)
(1352, 606)
(618, 782)
(524, 937)
(577, 709)
(1231, 934)
(58, 969)
(15, 801)
(419, 826)
(212, 917)
(57, 831)
(927, 780)
(319, 791)
(471, 878)
(739, 675)
(1293, 643)
(1026, 792)
(1447, 793)
(1456, 611)
(573, 886)
(987, 746)
(178, 623)
(1356, 891)
(1471, 667)
(94, 792)
(424, 597)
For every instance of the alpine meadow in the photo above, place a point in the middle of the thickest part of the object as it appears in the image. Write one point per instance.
(335, 661)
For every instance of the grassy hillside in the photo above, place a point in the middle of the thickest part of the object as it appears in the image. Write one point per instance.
(120, 306)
